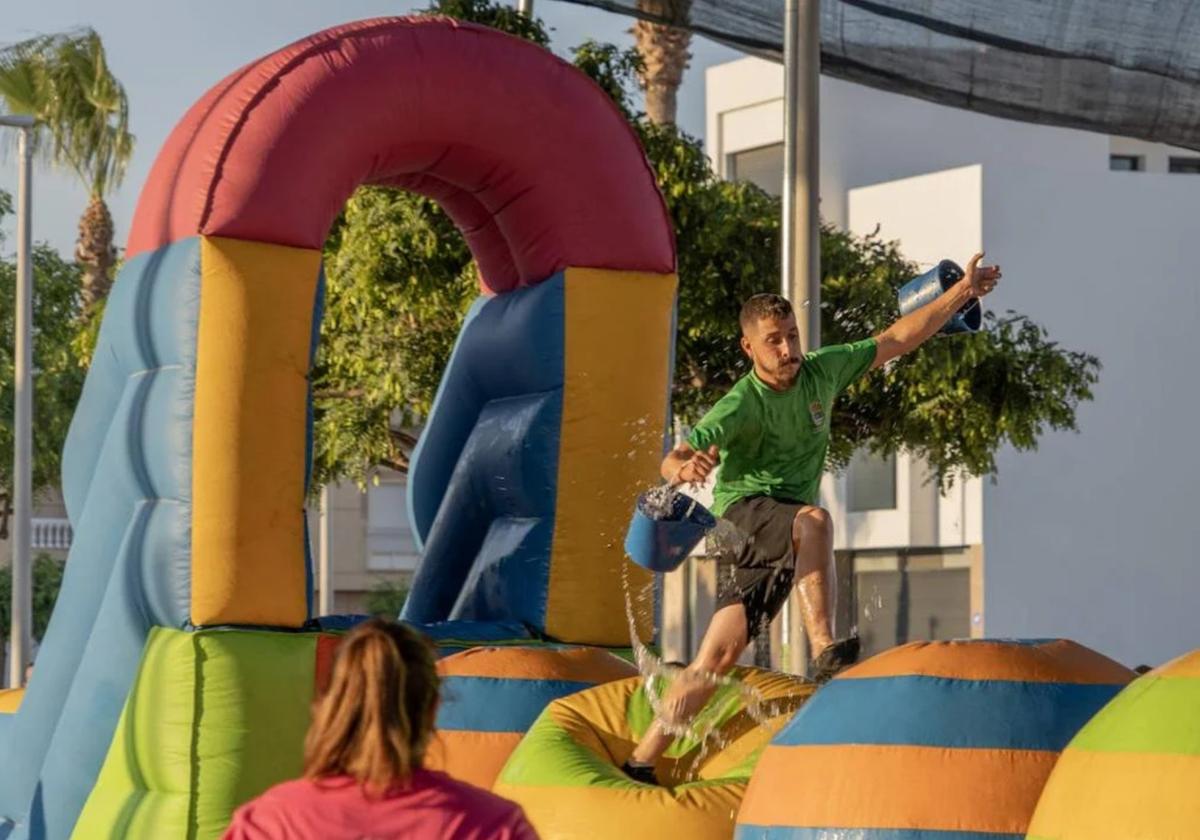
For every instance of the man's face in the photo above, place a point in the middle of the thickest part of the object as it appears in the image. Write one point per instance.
(773, 344)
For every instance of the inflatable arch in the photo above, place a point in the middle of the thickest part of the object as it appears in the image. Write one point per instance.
(186, 466)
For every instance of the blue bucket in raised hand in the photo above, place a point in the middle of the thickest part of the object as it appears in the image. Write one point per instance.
(660, 545)
(929, 286)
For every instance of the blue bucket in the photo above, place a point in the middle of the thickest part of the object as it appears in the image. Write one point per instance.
(660, 545)
(929, 286)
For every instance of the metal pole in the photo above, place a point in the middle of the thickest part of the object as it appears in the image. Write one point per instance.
(325, 556)
(801, 166)
(21, 641)
(525, 7)
(801, 262)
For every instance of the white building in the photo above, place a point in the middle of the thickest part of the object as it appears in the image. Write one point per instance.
(1094, 535)
(373, 549)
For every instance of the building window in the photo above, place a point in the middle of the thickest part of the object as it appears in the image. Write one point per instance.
(870, 482)
(904, 601)
(762, 167)
(1125, 163)
(390, 543)
(1184, 165)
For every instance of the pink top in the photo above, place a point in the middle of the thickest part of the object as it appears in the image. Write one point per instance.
(433, 807)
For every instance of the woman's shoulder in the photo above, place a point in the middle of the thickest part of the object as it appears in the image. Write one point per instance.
(299, 793)
(429, 793)
(484, 806)
(306, 788)
(264, 817)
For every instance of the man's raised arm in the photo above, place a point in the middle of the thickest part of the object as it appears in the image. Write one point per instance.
(915, 328)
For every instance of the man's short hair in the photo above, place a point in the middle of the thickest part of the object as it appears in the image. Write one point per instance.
(765, 305)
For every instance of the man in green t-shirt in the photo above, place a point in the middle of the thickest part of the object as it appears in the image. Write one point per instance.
(770, 434)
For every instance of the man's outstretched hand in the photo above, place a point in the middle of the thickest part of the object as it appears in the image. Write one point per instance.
(698, 467)
(981, 278)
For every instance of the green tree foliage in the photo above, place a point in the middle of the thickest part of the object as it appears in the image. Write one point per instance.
(47, 579)
(400, 280)
(614, 70)
(502, 16)
(386, 599)
(58, 378)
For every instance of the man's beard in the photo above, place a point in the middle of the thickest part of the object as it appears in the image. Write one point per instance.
(785, 371)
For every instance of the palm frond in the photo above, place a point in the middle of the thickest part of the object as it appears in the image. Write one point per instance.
(64, 81)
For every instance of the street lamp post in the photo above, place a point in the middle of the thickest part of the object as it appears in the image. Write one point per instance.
(801, 259)
(325, 555)
(22, 589)
(801, 262)
(525, 7)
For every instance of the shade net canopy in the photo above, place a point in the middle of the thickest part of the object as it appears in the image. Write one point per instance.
(1126, 67)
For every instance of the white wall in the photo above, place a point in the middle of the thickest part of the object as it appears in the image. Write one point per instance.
(1095, 536)
(1156, 157)
(869, 136)
(934, 216)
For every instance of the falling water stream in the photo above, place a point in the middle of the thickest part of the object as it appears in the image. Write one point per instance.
(659, 677)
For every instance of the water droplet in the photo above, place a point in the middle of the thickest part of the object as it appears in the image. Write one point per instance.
(873, 605)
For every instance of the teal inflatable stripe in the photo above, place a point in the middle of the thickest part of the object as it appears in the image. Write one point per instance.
(491, 704)
(939, 712)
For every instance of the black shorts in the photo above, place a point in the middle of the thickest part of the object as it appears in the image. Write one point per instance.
(756, 566)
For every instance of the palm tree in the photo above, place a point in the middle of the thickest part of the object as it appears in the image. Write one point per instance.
(64, 81)
(664, 52)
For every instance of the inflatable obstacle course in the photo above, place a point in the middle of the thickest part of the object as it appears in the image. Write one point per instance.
(175, 678)
(928, 737)
(187, 463)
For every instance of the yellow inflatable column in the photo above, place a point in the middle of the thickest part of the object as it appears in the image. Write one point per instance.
(248, 448)
(616, 371)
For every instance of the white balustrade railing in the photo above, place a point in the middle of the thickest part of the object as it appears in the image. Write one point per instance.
(51, 534)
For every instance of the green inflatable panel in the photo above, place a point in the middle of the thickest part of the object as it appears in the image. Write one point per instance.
(214, 718)
(566, 772)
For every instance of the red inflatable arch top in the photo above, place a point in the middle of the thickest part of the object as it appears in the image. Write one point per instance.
(538, 172)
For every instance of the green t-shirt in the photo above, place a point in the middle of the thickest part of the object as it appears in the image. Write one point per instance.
(773, 443)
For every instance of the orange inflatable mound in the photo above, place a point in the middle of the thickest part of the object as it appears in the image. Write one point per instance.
(926, 738)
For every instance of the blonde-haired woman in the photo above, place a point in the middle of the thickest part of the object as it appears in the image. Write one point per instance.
(363, 773)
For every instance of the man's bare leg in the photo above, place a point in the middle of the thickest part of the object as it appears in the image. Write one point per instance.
(812, 543)
(723, 643)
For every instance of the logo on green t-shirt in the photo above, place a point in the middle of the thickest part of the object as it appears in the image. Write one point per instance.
(817, 412)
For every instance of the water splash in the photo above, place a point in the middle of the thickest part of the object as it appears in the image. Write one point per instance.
(873, 605)
(727, 540)
(659, 677)
(659, 502)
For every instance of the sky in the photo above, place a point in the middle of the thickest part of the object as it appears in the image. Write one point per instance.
(167, 53)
